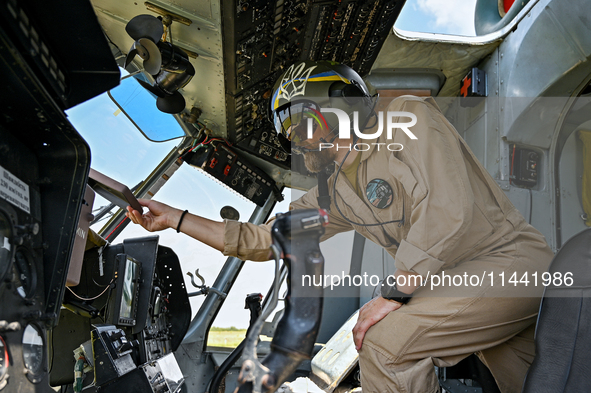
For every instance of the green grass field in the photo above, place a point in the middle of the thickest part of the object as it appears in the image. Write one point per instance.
(225, 337)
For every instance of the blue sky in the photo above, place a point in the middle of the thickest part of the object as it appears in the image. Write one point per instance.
(120, 151)
(437, 16)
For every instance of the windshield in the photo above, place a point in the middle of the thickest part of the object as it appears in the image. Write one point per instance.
(139, 105)
(190, 189)
(118, 150)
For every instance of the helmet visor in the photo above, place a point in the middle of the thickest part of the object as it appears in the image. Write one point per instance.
(298, 120)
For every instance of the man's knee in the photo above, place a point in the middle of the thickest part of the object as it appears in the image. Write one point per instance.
(391, 336)
(380, 374)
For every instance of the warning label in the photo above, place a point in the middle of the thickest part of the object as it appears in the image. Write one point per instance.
(14, 190)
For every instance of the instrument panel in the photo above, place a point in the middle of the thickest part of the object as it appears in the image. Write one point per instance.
(140, 315)
(23, 349)
(43, 166)
(262, 39)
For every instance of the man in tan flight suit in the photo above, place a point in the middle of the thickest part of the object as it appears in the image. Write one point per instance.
(441, 212)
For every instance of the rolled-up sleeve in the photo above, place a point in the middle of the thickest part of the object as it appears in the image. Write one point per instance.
(247, 241)
(336, 223)
(251, 242)
(443, 201)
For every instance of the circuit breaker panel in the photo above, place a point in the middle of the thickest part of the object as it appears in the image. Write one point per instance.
(262, 39)
(223, 164)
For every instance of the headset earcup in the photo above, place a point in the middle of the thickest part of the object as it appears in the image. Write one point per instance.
(342, 89)
(352, 90)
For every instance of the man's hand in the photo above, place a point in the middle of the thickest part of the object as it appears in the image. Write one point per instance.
(158, 217)
(371, 313)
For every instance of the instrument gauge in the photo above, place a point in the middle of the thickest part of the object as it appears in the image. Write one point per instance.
(25, 275)
(6, 248)
(33, 353)
(4, 363)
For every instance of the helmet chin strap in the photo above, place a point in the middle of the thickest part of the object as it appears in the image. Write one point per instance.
(324, 198)
(323, 194)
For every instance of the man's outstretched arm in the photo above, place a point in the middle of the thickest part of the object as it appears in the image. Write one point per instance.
(161, 216)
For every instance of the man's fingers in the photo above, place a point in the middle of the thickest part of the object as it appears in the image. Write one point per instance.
(144, 202)
(359, 332)
(360, 329)
(129, 214)
(358, 339)
(135, 216)
(362, 326)
(371, 313)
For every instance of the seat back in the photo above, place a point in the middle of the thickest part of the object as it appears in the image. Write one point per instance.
(563, 332)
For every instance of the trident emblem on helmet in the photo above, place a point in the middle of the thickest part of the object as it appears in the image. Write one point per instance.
(294, 81)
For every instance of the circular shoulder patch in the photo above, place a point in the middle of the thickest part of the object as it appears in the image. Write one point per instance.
(379, 193)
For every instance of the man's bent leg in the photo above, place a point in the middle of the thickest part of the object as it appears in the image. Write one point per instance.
(443, 330)
(399, 352)
(441, 326)
(380, 374)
